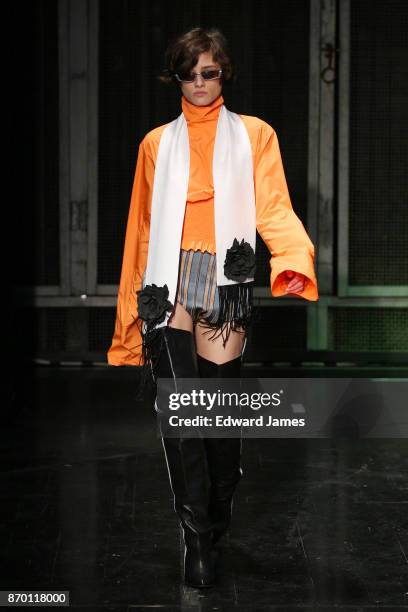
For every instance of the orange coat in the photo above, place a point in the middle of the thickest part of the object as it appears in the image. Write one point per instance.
(276, 222)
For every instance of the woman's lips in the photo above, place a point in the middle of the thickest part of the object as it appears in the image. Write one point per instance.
(200, 93)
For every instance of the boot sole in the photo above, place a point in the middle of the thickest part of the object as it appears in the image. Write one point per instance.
(199, 586)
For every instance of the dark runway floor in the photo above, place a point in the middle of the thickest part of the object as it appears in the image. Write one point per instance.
(86, 506)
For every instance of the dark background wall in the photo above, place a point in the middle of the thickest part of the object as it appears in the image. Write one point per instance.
(86, 93)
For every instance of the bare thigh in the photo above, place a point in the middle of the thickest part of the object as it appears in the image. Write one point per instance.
(181, 319)
(209, 349)
(214, 349)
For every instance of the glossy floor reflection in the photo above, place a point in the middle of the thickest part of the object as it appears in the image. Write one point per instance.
(86, 506)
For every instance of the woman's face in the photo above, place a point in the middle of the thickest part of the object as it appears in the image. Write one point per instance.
(210, 89)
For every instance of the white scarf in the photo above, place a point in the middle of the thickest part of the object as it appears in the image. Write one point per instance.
(234, 198)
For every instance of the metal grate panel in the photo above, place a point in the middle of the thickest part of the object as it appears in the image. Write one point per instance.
(378, 211)
(283, 327)
(368, 329)
(101, 328)
(41, 330)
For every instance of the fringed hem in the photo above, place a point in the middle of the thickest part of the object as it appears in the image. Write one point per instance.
(234, 314)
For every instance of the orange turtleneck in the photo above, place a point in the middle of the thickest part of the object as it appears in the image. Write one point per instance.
(199, 228)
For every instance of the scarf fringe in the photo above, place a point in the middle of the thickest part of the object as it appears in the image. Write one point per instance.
(235, 311)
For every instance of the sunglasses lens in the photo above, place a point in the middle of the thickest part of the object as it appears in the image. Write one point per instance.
(210, 74)
(187, 77)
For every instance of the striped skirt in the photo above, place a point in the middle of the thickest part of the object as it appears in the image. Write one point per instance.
(219, 309)
(197, 285)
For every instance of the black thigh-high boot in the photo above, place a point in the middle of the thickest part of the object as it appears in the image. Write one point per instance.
(187, 466)
(224, 454)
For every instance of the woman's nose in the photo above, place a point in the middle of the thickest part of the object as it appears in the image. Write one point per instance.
(199, 79)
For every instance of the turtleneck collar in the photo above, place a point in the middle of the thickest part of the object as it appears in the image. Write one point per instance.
(194, 113)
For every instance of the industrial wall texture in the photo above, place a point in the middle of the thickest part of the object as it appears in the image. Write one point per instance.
(330, 77)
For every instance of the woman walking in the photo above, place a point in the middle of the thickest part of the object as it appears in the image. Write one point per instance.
(204, 184)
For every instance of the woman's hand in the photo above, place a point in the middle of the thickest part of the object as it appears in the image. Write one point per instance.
(297, 282)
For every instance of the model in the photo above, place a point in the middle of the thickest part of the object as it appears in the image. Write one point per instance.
(204, 184)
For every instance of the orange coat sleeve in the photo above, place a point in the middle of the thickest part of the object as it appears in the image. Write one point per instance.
(126, 347)
(277, 223)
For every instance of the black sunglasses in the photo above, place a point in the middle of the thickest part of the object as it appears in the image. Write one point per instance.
(189, 77)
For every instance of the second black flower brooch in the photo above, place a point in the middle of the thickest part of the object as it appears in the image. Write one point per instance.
(239, 261)
(153, 303)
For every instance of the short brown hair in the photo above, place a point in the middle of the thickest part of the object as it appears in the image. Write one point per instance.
(182, 53)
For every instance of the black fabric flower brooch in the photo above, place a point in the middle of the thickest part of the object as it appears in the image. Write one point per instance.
(153, 303)
(239, 261)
